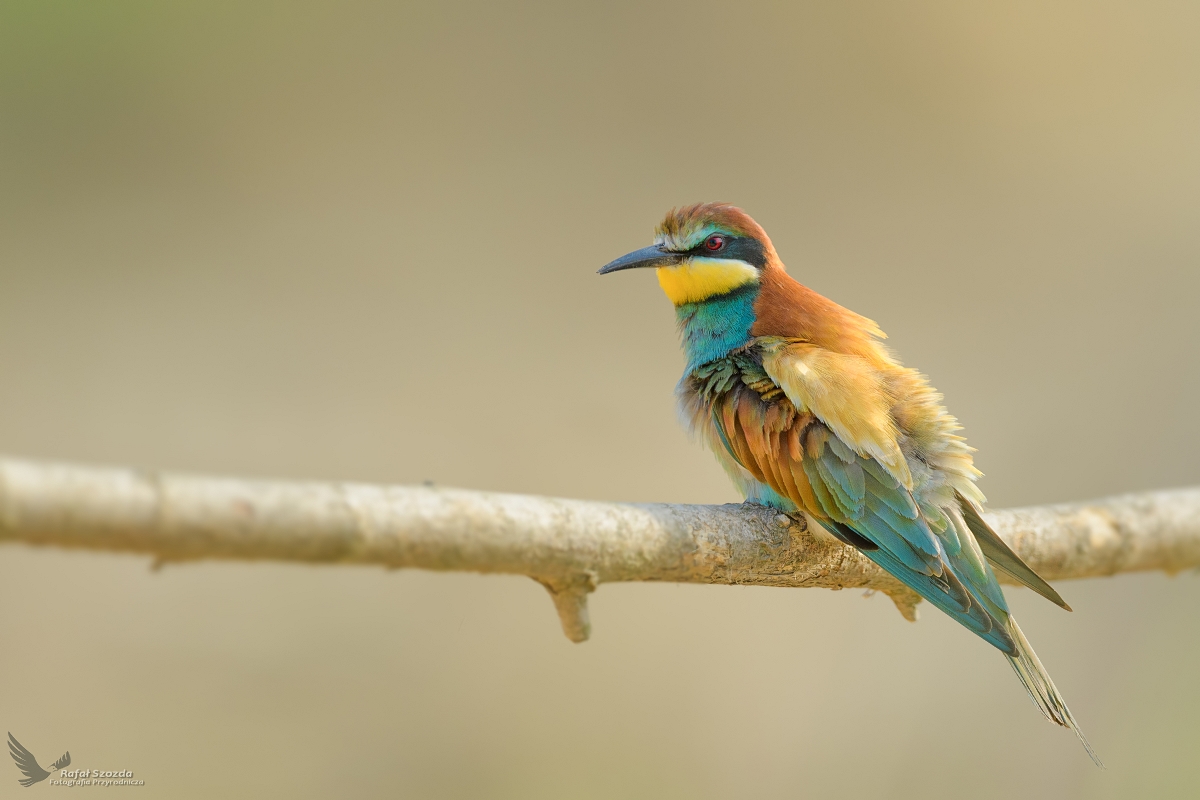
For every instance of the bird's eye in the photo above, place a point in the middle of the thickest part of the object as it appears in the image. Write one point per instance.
(714, 242)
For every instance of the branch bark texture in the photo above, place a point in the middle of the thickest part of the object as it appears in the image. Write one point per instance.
(569, 546)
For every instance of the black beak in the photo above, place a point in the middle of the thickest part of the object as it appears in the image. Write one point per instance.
(647, 257)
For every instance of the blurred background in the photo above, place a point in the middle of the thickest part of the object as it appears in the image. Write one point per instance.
(357, 241)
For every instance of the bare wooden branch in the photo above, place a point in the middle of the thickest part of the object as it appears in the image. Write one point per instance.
(569, 546)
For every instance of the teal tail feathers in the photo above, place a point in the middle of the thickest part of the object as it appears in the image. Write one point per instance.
(1042, 690)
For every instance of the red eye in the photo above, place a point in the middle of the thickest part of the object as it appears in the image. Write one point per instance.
(714, 242)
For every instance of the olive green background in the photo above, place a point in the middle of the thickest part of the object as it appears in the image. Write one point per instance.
(357, 241)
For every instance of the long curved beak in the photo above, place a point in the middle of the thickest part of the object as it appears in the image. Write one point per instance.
(647, 257)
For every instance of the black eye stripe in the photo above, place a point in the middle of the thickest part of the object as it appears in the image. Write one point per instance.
(742, 248)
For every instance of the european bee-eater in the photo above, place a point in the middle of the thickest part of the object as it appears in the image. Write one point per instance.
(809, 413)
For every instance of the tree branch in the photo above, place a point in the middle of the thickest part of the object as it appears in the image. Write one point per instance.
(569, 546)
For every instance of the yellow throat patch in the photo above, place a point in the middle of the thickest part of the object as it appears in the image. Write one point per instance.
(701, 278)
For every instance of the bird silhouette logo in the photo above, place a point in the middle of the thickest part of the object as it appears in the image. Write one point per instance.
(28, 764)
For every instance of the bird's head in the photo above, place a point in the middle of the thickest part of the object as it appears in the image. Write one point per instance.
(703, 251)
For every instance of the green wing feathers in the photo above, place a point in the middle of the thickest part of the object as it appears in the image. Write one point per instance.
(944, 553)
(1003, 558)
(931, 560)
(864, 504)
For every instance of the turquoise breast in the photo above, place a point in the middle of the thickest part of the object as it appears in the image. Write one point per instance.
(712, 328)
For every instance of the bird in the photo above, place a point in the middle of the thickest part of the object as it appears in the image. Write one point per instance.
(809, 413)
(28, 764)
